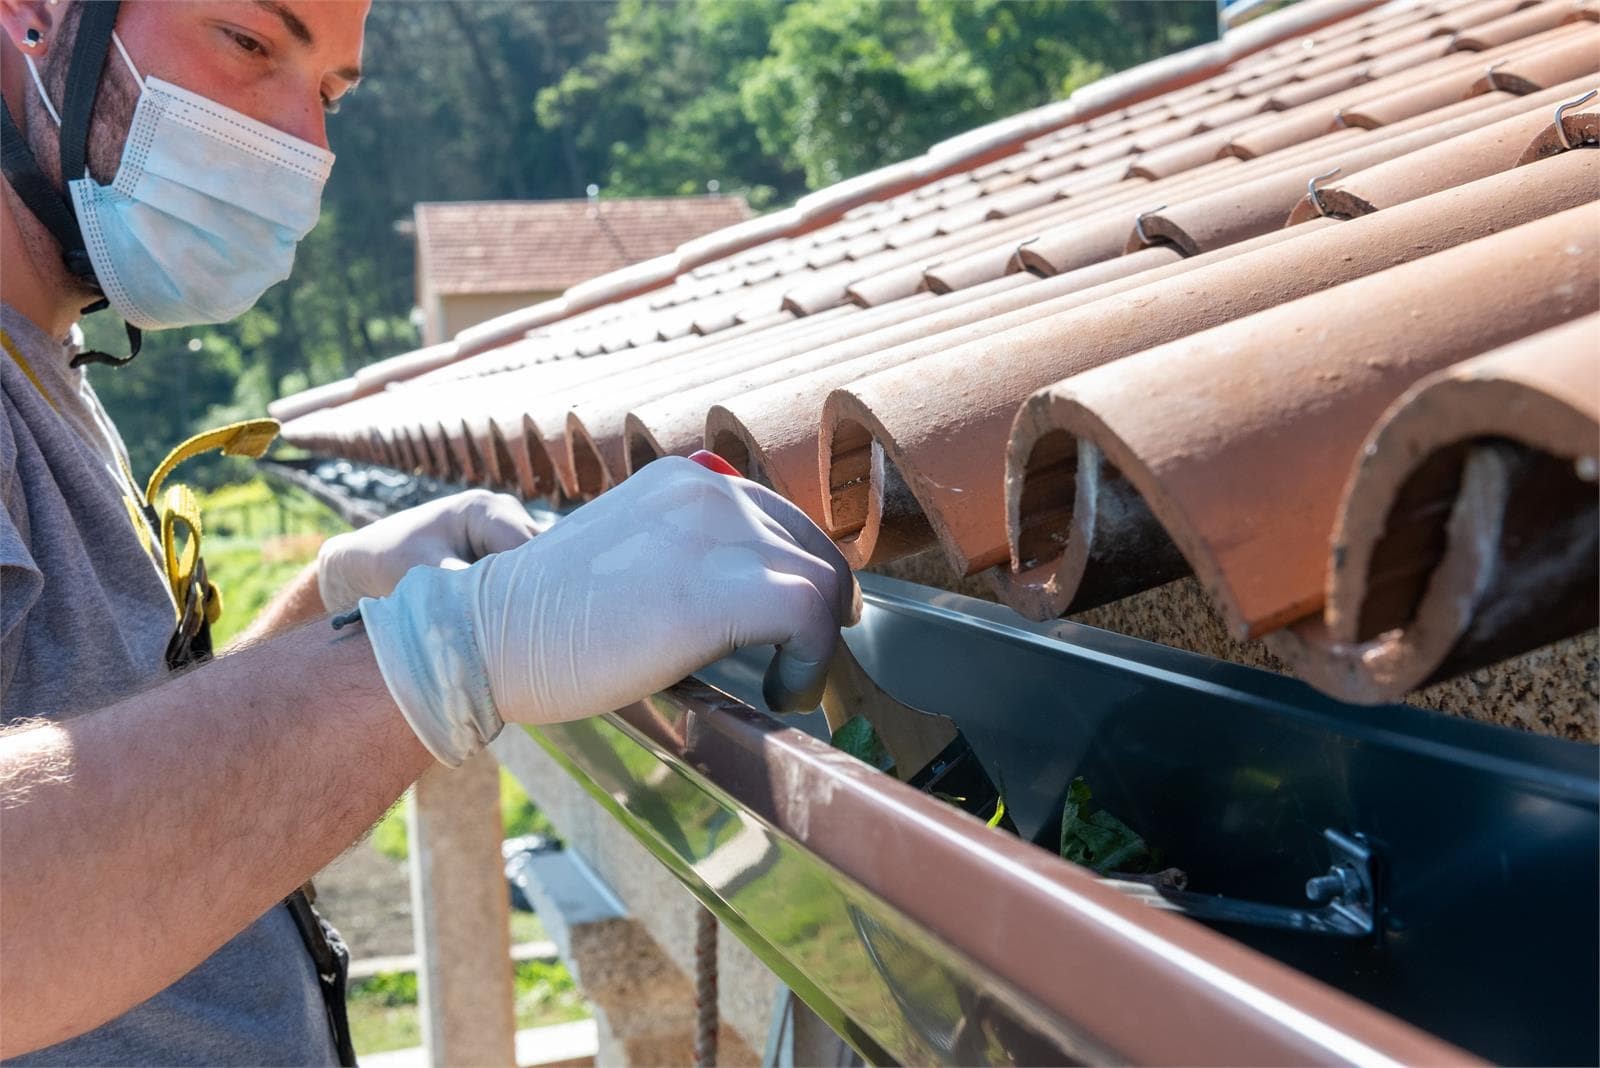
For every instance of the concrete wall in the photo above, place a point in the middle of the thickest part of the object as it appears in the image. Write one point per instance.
(448, 315)
(647, 961)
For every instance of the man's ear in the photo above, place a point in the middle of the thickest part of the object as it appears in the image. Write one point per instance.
(27, 25)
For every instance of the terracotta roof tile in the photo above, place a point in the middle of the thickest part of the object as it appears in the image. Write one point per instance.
(1571, 55)
(1514, 27)
(889, 410)
(1250, 207)
(1121, 319)
(1494, 147)
(1294, 411)
(1491, 464)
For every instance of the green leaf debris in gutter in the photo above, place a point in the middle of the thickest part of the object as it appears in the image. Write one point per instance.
(858, 738)
(1098, 840)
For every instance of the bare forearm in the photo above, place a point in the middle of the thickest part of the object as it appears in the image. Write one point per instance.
(205, 800)
(298, 603)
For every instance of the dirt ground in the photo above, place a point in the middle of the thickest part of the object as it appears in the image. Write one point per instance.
(367, 897)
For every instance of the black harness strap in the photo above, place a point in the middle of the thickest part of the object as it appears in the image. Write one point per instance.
(135, 342)
(95, 25)
(23, 173)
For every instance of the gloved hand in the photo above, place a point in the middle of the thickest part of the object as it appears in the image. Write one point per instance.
(451, 532)
(663, 574)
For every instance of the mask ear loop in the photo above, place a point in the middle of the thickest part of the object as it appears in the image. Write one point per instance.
(44, 97)
(135, 335)
(137, 77)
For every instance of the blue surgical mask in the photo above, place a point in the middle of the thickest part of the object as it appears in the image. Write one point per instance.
(205, 210)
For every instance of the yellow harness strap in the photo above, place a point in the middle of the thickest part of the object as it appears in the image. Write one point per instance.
(180, 512)
(23, 365)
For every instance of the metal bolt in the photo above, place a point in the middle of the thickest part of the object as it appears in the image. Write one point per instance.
(1340, 880)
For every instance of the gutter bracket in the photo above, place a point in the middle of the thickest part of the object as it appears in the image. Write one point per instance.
(1346, 894)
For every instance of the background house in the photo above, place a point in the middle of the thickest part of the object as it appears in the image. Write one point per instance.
(480, 259)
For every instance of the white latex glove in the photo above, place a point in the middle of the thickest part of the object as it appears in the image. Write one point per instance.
(451, 532)
(672, 569)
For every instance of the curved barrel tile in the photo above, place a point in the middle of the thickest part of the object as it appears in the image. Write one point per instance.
(1467, 532)
(1225, 440)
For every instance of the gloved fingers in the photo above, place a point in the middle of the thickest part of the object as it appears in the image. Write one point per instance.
(493, 523)
(813, 540)
(787, 558)
(801, 623)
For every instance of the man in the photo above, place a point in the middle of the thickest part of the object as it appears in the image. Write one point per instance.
(165, 157)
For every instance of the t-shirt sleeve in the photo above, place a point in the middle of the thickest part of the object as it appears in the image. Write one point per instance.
(20, 578)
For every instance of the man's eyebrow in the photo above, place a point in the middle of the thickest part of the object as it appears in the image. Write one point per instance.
(302, 33)
(291, 21)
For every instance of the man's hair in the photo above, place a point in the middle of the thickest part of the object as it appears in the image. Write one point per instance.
(113, 105)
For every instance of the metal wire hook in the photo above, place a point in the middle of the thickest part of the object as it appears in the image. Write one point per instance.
(1138, 224)
(1561, 109)
(1339, 121)
(1316, 194)
(1488, 75)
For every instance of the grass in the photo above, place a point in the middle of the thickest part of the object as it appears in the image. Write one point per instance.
(519, 815)
(258, 536)
(526, 927)
(384, 1014)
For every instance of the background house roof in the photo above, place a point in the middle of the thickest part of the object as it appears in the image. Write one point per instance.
(527, 246)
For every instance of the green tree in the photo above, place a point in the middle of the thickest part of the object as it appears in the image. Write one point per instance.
(658, 112)
(848, 85)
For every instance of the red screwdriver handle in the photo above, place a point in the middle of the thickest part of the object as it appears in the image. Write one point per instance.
(712, 462)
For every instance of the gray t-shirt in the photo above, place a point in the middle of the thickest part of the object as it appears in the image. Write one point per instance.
(85, 616)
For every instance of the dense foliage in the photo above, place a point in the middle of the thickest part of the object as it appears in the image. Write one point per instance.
(484, 101)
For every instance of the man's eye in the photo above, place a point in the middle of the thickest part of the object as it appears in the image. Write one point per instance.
(330, 106)
(247, 43)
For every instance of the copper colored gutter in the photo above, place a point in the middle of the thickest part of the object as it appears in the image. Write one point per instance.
(951, 455)
(1127, 456)
(1491, 465)
(1064, 971)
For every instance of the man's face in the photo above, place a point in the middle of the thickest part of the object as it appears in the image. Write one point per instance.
(282, 62)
